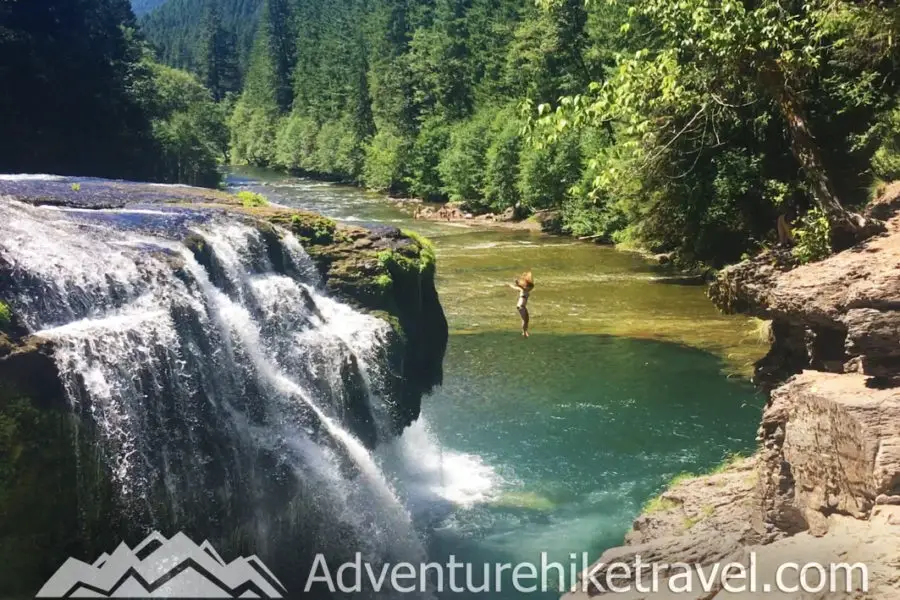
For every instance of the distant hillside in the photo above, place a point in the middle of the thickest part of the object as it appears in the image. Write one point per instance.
(174, 28)
(142, 7)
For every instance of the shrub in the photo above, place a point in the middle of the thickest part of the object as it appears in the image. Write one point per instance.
(385, 157)
(813, 237)
(251, 199)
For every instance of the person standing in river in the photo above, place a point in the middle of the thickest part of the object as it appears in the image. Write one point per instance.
(523, 284)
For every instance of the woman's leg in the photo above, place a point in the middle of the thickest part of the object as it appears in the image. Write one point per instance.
(523, 312)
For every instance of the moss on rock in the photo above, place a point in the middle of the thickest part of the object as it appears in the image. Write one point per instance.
(384, 271)
(389, 274)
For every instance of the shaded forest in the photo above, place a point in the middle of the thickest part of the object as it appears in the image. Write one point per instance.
(82, 94)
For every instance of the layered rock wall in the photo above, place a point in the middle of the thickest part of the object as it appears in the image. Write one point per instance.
(824, 485)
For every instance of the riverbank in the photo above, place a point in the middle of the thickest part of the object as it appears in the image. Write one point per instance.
(824, 485)
(453, 213)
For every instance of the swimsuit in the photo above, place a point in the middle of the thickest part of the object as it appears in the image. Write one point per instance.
(523, 299)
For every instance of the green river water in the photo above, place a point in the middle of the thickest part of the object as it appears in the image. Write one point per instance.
(552, 444)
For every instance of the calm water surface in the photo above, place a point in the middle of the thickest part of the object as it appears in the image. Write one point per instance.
(552, 444)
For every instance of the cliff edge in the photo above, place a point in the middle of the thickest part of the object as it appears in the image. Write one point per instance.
(824, 485)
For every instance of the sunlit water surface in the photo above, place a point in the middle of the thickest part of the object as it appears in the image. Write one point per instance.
(552, 444)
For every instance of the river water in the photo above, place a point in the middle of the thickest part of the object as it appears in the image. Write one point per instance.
(552, 444)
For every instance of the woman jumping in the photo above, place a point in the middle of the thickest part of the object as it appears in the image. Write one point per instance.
(524, 284)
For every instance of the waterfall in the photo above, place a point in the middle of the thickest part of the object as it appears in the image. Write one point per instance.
(229, 395)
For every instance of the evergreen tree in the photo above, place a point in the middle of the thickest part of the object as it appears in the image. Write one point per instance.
(682, 127)
(275, 40)
(70, 97)
(218, 54)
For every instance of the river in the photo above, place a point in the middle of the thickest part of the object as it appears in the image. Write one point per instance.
(553, 444)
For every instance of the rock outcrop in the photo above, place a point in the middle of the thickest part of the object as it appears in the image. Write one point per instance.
(824, 485)
(830, 445)
(839, 315)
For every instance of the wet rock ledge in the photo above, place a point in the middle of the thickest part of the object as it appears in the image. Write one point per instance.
(824, 485)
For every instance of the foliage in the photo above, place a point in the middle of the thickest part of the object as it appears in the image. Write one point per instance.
(686, 128)
(218, 58)
(385, 161)
(253, 133)
(82, 95)
(424, 179)
(462, 165)
(384, 281)
(295, 143)
(707, 99)
(548, 171)
(175, 29)
(427, 259)
(501, 162)
(313, 228)
(250, 199)
(5, 314)
(886, 160)
(813, 237)
(188, 126)
(71, 92)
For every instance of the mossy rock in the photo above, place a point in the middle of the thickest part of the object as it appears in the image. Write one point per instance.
(383, 271)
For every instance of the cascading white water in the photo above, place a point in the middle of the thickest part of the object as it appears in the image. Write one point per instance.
(212, 387)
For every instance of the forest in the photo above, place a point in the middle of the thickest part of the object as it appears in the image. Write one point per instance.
(688, 127)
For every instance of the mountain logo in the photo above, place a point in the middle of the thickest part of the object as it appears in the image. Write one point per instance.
(164, 568)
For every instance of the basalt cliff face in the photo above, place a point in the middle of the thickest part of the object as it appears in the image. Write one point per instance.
(173, 359)
(824, 485)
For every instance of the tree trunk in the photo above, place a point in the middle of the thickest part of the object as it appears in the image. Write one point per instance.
(803, 144)
(847, 227)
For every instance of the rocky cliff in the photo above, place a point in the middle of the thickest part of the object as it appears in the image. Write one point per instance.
(825, 483)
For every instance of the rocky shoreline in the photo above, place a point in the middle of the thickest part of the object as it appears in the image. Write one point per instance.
(824, 484)
(453, 213)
